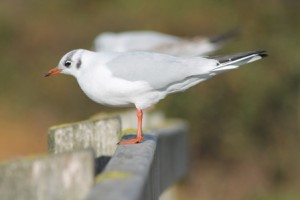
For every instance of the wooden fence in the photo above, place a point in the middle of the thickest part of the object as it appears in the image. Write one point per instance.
(85, 162)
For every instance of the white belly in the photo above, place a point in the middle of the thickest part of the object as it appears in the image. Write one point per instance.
(120, 93)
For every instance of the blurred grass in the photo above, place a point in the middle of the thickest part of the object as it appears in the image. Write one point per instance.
(245, 137)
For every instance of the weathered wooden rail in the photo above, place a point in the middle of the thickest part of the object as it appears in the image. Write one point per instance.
(85, 162)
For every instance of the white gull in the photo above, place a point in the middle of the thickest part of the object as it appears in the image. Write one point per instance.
(141, 79)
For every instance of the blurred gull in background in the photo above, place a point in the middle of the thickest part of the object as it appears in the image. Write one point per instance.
(160, 42)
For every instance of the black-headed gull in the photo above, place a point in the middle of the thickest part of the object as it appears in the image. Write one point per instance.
(141, 79)
(160, 42)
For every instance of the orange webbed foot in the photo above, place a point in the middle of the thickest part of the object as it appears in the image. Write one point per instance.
(132, 141)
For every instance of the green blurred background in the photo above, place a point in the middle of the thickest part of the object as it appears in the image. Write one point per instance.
(244, 132)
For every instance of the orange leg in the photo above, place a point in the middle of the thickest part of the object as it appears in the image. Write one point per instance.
(139, 134)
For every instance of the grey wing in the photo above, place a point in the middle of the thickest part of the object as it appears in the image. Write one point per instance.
(158, 70)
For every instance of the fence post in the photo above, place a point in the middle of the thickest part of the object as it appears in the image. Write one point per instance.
(68, 176)
(129, 172)
(143, 171)
(100, 134)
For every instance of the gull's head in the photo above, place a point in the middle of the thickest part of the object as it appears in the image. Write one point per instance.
(71, 64)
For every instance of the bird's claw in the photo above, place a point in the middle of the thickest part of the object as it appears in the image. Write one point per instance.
(132, 141)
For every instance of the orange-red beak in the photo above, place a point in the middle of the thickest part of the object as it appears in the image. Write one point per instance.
(53, 72)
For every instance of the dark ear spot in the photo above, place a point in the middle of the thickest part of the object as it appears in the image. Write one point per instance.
(78, 65)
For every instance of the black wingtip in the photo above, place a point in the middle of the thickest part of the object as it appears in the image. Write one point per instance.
(232, 57)
(263, 53)
(225, 36)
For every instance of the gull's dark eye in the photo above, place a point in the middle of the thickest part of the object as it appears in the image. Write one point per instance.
(68, 63)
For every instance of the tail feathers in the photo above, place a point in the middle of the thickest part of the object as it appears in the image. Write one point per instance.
(234, 61)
